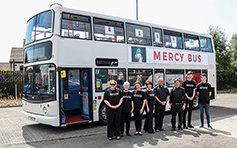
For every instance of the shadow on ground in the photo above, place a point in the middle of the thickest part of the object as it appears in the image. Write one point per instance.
(94, 134)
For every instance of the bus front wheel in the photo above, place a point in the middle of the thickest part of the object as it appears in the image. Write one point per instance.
(102, 114)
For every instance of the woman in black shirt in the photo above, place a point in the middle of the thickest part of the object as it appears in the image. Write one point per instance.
(139, 98)
(127, 108)
(148, 126)
(113, 100)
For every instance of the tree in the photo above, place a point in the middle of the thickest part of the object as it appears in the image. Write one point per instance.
(233, 48)
(223, 53)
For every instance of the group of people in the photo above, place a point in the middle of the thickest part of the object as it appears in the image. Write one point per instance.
(121, 104)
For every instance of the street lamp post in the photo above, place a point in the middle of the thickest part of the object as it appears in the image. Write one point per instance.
(136, 9)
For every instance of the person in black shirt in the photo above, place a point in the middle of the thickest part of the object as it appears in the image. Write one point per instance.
(113, 100)
(204, 93)
(139, 98)
(148, 126)
(177, 104)
(162, 97)
(189, 85)
(127, 108)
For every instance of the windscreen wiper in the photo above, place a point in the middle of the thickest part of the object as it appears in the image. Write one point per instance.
(25, 92)
(39, 95)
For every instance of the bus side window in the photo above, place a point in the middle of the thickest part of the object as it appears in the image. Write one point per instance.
(172, 74)
(206, 44)
(137, 34)
(103, 76)
(157, 37)
(173, 39)
(76, 26)
(191, 42)
(141, 75)
(108, 30)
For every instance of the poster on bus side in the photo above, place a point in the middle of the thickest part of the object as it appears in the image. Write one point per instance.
(109, 30)
(139, 32)
(138, 54)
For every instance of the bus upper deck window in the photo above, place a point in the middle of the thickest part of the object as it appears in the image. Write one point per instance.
(108, 30)
(137, 34)
(173, 39)
(157, 37)
(39, 27)
(191, 42)
(206, 44)
(76, 26)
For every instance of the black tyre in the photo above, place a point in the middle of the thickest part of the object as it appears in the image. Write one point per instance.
(102, 114)
(195, 102)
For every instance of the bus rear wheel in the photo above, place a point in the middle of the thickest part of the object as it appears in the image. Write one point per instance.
(102, 114)
(195, 102)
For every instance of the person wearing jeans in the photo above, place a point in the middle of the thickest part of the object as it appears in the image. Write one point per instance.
(204, 93)
(201, 107)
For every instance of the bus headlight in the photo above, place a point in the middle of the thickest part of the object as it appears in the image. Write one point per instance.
(44, 109)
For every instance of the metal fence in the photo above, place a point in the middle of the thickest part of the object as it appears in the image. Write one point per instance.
(227, 82)
(11, 83)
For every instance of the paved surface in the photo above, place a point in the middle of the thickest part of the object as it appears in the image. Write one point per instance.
(16, 131)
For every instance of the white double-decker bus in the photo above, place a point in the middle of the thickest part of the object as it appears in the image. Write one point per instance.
(71, 55)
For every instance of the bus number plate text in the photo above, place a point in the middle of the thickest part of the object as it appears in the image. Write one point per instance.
(32, 118)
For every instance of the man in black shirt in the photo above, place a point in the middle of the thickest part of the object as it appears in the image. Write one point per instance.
(162, 96)
(177, 104)
(204, 93)
(189, 85)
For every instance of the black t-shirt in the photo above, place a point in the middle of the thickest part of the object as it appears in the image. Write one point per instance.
(138, 97)
(188, 87)
(161, 92)
(113, 97)
(177, 95)
(127, 99)
(150, 98)
(204, 89)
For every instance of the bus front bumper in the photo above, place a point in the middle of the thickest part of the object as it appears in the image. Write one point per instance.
(49, 120)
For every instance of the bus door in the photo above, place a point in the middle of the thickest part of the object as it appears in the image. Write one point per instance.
(76, 88)
(85, 93)
(71, 91)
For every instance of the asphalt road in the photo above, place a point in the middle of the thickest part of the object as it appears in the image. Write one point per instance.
(16, 131)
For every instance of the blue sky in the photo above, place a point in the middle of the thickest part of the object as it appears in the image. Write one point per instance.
(183, 14)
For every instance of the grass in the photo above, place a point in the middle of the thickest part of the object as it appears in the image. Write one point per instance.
(10, 101)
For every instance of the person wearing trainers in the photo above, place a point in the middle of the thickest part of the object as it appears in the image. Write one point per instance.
(204, 93)
(162, 96)
(189, 86)
(177, 104)
(127, 108)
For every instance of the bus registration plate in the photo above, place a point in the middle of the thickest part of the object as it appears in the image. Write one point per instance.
(32, 118)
